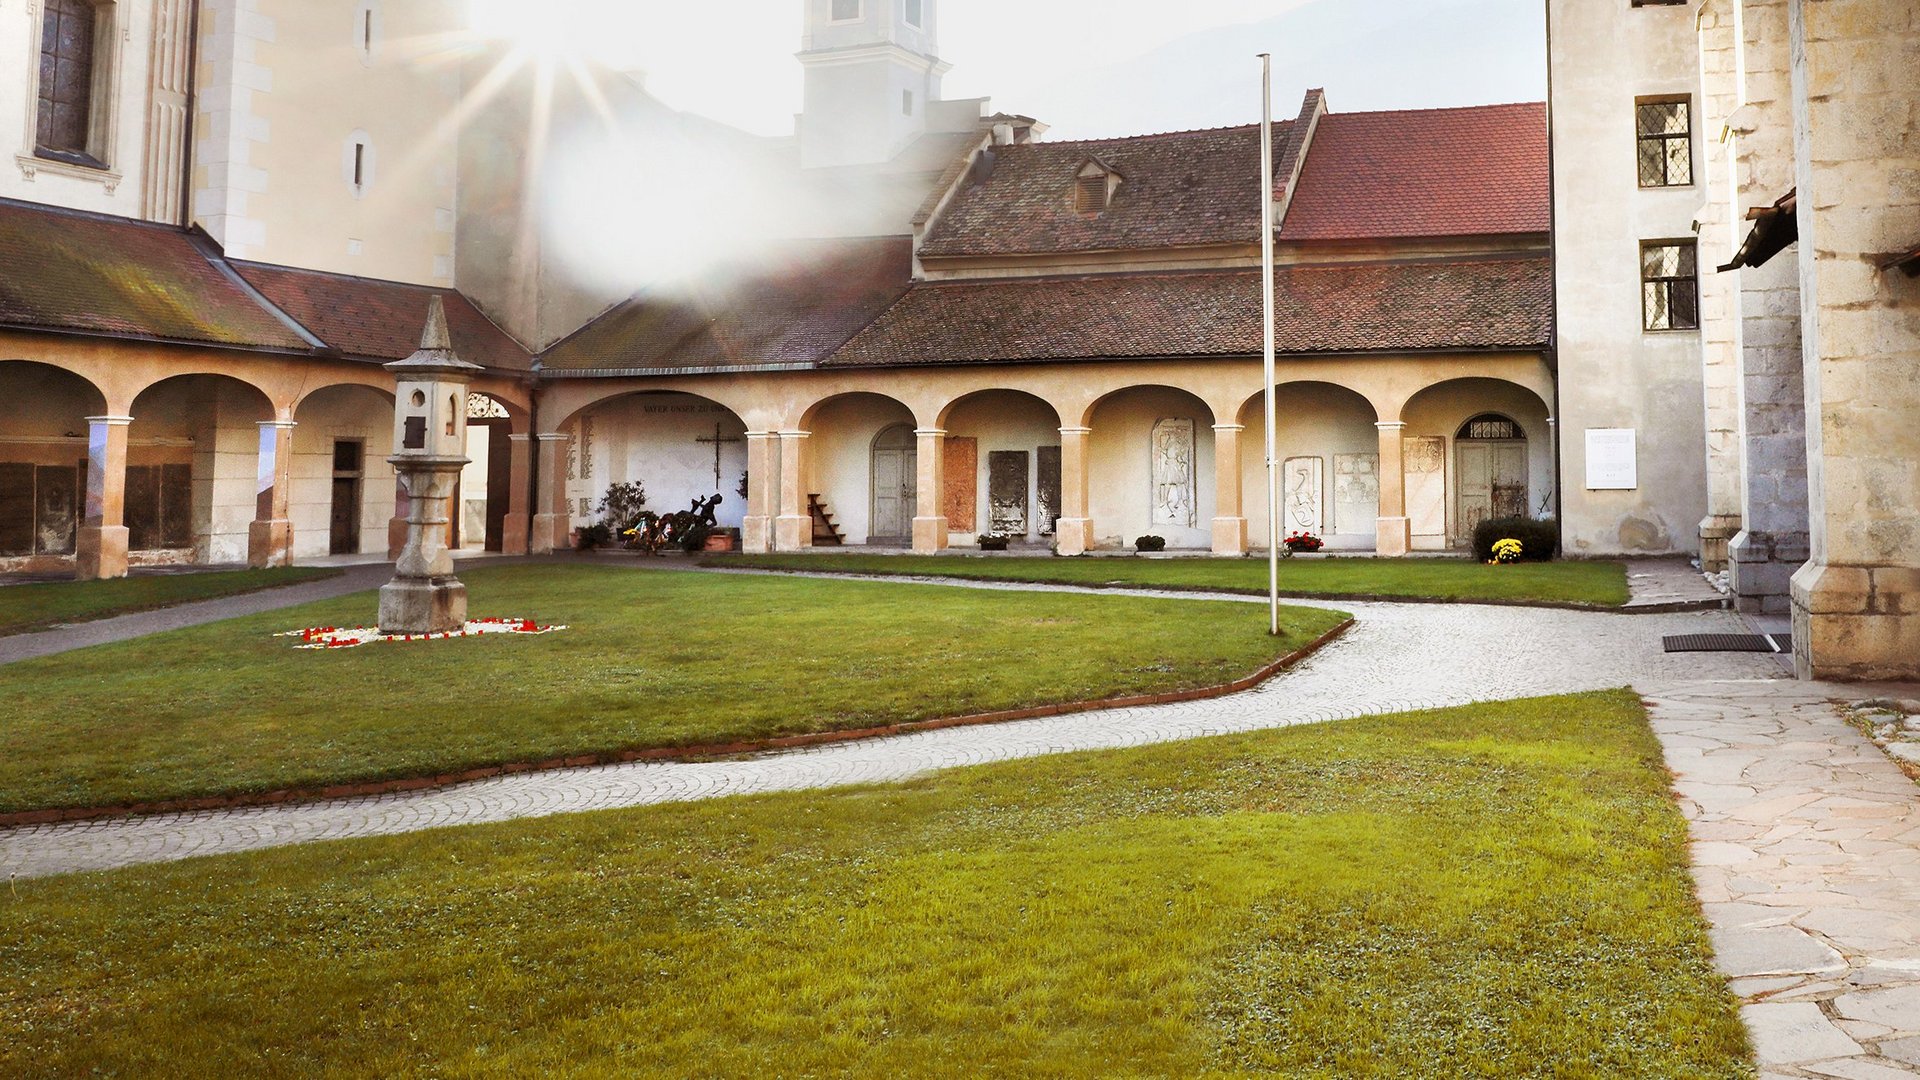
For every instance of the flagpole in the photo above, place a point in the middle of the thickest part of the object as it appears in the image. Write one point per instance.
(1266, 319)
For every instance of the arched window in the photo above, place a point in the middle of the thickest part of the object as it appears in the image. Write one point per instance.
(1488, 426)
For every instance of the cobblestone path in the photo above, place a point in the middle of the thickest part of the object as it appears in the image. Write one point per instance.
(1399, 657)
(1806, 852)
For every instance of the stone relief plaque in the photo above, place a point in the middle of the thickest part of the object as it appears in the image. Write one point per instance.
(1356, 492)
(1173, 502)
(16, 509)
(1047, 485)
(961, 501)
(1303, 509)
(1424, 457)
(1007, 491)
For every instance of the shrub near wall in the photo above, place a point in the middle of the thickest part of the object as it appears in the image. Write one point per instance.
(1539, 537)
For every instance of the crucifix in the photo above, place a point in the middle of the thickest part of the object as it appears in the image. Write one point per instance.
(719, 439)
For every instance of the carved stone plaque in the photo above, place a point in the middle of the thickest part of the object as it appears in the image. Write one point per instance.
(1356, 492)
(1304, 508)
(56, 518)
(1047, 485)
(16, 509)
(1007, 491)
(1173, 502)
(961, 502)
(1425, 458)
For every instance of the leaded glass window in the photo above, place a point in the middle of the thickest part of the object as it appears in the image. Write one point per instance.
(1666, 143)
(1669, 285)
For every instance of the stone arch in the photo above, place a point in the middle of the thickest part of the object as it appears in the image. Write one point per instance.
(680, 446)
(343, 499)
(1002, 464)
(192, 478)
(1327, 445)
(43, 473)
(1150, 466)
(1444, 508)
(836, 464)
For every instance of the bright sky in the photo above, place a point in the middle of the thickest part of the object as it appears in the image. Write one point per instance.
(1101, 67)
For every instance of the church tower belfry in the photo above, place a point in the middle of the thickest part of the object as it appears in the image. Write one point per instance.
(871, 76)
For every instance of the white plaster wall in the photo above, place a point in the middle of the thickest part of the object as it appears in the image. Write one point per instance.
(1005, 421)
(341, 412)
(118, 189)
(1316, 420)
(841, 452)
(224, 419)
(1120, 471)
(1612, 373)
(1440, 410)
(650, 438)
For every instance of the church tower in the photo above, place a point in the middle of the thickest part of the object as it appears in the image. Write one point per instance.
(871, 77)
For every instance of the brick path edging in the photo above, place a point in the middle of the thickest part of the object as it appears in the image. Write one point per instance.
(664, 753)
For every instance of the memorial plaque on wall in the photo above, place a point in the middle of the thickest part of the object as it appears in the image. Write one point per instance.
(1303, 510)
(56, 521)
(16, 509)
(176, 506)
(1048, 489)
(1007, 491)
(961, 501)
(1172, 464)
(1612, 460)
(1356, 493)
(142, 507)
(1425, 460)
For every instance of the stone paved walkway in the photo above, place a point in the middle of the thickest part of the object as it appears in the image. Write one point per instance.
(1807, 858)
(1398, 657)
(1669, 582)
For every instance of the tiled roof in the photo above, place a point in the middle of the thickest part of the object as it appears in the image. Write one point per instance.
(65, 270)
(797, 304)
(380, 320)
(1179, 189)
(1491, 303)
(1423, 173)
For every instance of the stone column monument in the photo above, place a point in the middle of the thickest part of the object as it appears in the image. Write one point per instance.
(429, 439)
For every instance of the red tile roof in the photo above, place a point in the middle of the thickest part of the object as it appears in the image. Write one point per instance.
(73, 271)
(1180, 189)
(1423, 173)
(380, 320)
(1477, 304)
(793, 306)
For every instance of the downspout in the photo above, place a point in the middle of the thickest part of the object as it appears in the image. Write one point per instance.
(193, 106)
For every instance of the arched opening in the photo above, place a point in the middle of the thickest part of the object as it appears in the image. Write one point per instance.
(1474, 448)
(485, 490)
(1150, 468)
(192, 469)
(43, 463)
(344, 498)
(847, 462)
(1329, 454)
(1002, 467)
(680, 448)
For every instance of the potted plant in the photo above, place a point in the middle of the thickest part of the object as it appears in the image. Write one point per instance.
(1506, 551)
(1149, 543)
(1297, 542)
(993, 541)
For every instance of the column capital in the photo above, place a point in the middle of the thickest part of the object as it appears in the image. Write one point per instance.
(1551, 422)
(553, 436)
(1229, 427)
(794, 434)
(519, 438)
(1076, 431)
(1391, 425)
(929, 431)
(110, 421)
(763, 434)
(283, 425)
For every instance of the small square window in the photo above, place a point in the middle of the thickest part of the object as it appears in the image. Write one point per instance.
(906, 102)
(845, 10)
(1665, 136)
(914, 13)
(346, 455)
(1669, 285)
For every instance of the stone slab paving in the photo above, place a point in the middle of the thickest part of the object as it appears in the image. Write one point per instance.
(1398, 657)
(1806, 851)
(1667, 582)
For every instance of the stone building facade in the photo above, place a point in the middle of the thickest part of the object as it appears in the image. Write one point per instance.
(1805, 132)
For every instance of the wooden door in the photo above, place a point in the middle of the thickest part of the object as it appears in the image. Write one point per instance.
(894, 484)
(1510, 480)
(343, 532)
(1493, 483)
(499, 481)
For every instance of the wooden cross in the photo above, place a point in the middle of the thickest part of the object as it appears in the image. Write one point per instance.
(718, 441)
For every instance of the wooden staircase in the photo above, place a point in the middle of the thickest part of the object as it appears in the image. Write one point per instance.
(825, 530)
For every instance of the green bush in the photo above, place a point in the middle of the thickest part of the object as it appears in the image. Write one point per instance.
(1539, 537)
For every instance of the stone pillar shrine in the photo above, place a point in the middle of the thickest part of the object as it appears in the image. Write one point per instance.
(430, 440)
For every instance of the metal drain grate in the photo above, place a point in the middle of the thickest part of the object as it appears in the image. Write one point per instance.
(1766, 643)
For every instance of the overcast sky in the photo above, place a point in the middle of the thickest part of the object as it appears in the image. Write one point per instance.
(1110, 67)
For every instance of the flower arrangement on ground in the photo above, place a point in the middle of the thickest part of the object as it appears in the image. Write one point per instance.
(1302, 541)
(1506, 551)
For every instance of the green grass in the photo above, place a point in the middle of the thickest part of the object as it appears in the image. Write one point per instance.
(1493, 891)
(34, 607)
(1602, 584)
(653, 659)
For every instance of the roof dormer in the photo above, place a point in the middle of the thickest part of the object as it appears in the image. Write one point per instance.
(1094, 186)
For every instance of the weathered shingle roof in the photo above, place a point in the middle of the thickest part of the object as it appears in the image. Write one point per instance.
(795, 305)
(1424, 173)
(380, 320)
(1489, 303)
(1181, 189)
(90, 273)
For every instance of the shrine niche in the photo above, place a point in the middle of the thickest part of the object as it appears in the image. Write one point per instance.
(961, 500)
(1173, 473)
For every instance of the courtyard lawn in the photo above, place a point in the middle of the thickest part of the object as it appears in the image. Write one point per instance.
(24, 608)
(1492, 891)
(652, 659)
(1600, 584)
